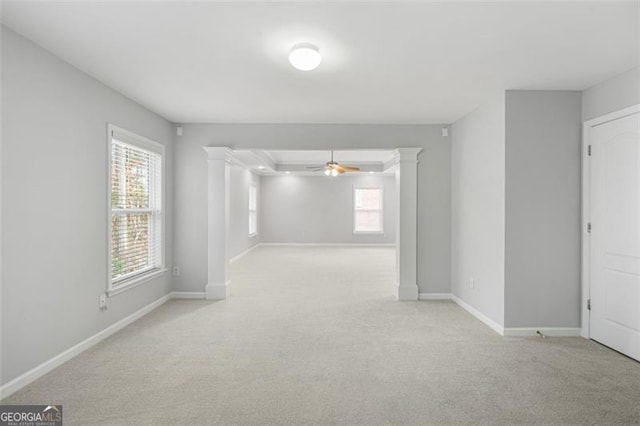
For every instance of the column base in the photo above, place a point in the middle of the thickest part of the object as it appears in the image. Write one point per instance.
(217, 291)
(406, 292)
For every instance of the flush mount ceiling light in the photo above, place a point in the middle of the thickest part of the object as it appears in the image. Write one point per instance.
(305, 56)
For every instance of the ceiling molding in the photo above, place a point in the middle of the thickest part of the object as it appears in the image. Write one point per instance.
(264, 158)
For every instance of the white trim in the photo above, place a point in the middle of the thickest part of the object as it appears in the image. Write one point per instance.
(327, 244)
(150, 145)
(476, 313)
(218, 217)
(586, 210)
(406, 272)
(134, 139)
(217, 291)
(380, 210)
(264, 158)
(407, 154)
(133, 282)
(187, 295)
(613, 116)
(47, 366)
(244, 253)
(219, 153)
(232, 159)
(406, 293)
(507, 332)
(547, 331)
(435, 296)
(585, 245)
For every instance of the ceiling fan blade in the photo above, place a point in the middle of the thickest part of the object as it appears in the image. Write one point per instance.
(350, 168)
(339, 169)
(316, 169)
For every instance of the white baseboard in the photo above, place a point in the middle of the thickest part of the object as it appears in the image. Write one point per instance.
(327, 244)
(508, 331)
(476, 313)
(238, 256)
(434, 296)
(547, 331)
(187, 295)
(42, 369)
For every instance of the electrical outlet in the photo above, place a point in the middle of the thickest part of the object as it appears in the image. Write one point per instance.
(176, 271)
(472, 283)
(103, 301)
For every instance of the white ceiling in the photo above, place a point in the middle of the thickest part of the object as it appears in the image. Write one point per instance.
(383, 62)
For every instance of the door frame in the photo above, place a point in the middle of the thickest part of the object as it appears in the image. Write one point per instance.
(585, 279)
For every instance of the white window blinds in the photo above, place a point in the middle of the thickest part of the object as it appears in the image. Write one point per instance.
(368, 210)
(136, 209)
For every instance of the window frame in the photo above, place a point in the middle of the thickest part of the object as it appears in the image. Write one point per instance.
(380, 210)
(143, 276)
(253, 186)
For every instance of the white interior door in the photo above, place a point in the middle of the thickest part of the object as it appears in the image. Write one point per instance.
(615, 234)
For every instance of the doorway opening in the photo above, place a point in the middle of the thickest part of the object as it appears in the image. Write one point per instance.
(287, 197)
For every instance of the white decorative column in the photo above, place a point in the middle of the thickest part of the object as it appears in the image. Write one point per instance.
(218, 178)
(407, 223)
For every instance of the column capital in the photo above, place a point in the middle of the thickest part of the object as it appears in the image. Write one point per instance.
(407, 154)
(218, 153)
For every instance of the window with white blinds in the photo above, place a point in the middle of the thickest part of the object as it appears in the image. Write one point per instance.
(253, 210)
(368, 210)
(135, 208)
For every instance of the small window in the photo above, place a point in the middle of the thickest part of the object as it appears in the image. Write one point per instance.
(368, 210)
(253, 211)
(136, 224)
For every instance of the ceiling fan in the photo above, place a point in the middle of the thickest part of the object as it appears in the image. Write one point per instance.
(332, 168)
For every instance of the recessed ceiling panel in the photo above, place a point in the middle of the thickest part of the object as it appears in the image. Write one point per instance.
(307, 157)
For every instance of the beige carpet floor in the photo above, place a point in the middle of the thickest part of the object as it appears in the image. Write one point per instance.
(313, 336)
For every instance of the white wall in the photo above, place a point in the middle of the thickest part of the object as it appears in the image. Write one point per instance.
(543, 160)
(478, 208)
(54, 204)
(612, 95)
(239, 239)
(319, 209)
(433, 176)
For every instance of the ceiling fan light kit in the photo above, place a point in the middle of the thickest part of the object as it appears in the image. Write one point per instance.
(332, 168)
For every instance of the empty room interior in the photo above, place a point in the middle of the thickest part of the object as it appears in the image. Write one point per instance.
(318, 212)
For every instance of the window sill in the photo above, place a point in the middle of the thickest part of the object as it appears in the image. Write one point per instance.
(136, 281)
(368, 232)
